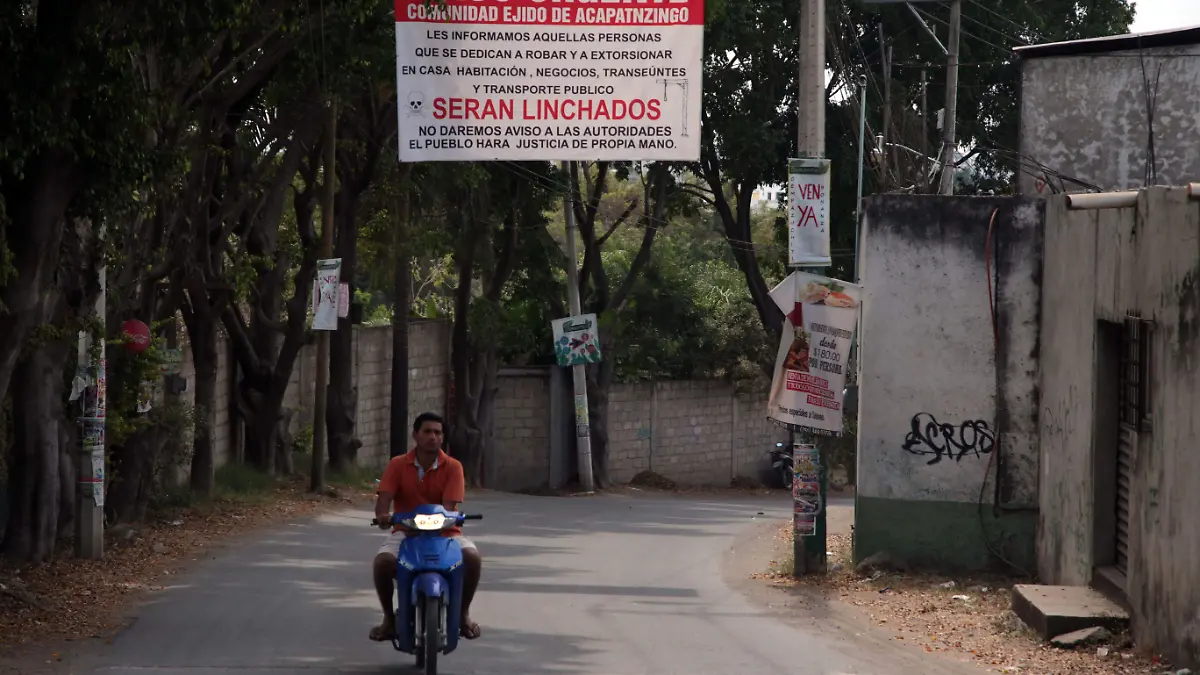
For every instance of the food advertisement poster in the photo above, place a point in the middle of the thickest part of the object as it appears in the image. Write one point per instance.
(808, 212)
(807, 388)
(522, 80)
(325, 309)
(576, 340)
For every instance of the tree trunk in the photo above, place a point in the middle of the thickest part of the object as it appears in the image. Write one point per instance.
(486, 412)
(402, 304)
(206, 360)
(343, 395)
(600, 379)
(200, 320)
(262, 411)
(34, 477)
(133, 475)
(735, 220)
(36, 206)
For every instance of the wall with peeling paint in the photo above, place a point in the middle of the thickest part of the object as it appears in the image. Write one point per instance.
(946, 405)
(1101, 265)
(1086, 116)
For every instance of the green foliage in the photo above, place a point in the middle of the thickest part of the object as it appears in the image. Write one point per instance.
(239, 480)
(690, 315)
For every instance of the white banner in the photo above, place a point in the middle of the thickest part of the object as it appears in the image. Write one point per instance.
(549, 79)
(808, 213)
(814, 352)
(325, 312)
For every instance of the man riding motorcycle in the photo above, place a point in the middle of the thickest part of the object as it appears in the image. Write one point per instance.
(424, 475)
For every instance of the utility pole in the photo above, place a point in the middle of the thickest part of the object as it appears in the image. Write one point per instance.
(89, 507)
(887, 158)
(948, 138)
(809, 551)
(924, 138)
(317, 482)
(583, 440)
(812, 79)
(862, 147)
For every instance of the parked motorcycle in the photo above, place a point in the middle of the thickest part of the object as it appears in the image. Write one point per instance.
(429, 584)
(781, 464)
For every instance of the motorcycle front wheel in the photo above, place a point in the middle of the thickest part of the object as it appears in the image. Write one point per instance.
(432, 622)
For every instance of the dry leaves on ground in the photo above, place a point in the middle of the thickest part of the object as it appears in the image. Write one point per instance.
(71, 599)
(964, 615)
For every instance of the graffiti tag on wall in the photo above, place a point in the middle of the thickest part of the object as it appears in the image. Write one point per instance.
(927, 436)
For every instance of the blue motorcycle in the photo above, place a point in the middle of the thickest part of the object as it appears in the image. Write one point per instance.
(429, 584)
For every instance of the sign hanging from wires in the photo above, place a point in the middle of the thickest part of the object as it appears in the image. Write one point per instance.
(524, 80)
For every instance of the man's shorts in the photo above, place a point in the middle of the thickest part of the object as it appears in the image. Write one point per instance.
(391, 545)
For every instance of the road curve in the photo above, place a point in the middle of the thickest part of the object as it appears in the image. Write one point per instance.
(605, 585)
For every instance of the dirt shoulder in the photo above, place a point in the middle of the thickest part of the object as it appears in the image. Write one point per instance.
(956, 616)
(49, 609)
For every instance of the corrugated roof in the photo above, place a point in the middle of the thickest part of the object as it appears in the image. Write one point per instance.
(1176, 37)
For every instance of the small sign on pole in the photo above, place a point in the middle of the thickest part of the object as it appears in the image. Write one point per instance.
(808, 213)
(325, 306)
(576, 340)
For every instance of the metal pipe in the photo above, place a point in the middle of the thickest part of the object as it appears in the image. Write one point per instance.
(1102, 200)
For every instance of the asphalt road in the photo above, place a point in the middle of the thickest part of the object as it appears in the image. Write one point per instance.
(610, 585)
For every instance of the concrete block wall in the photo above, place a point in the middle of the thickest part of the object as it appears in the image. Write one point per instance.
(692, 432)
(428, 383)
(521, 445)
(630, 427)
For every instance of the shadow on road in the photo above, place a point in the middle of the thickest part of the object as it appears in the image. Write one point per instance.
(301, 597)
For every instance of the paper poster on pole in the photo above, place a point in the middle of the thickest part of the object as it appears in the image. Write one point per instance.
(525, 80)
(807, 389)
(808, 212)
(343, 303)
(325, 309)
(576, 340)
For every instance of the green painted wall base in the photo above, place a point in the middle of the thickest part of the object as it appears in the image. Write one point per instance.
(944, 535)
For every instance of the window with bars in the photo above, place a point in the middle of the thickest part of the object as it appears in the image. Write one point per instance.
(1135, 374)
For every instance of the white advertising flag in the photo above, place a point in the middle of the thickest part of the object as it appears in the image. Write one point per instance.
(526, 80)
(814, 352)
(808, 213)
(325, 313)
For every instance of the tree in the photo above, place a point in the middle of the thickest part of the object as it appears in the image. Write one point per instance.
(369, 127)
(605, 300)
(499, 205)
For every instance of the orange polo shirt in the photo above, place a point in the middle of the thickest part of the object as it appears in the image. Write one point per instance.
(410, 486)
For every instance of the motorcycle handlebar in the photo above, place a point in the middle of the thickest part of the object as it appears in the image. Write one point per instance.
(469, 516)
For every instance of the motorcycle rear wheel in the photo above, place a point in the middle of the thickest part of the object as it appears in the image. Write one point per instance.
(432, 624)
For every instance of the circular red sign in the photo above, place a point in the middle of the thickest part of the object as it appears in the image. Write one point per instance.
(137, 336)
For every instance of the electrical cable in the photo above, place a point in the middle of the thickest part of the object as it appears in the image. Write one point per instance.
(996, 446)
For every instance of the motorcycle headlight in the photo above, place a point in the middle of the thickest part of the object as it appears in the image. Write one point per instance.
(427, 522)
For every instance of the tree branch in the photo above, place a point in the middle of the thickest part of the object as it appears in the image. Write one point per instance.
(633, 204)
